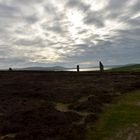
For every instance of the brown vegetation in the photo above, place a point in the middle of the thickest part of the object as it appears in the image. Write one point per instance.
(28, 99)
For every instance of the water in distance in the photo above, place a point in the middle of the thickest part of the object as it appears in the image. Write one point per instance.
(87, 69)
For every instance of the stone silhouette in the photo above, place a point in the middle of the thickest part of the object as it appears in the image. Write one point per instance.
(78, 68)
(10, 69)
(101, 66)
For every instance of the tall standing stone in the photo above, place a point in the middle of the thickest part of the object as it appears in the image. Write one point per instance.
(101, 66)
(10, 69)
(78, 68)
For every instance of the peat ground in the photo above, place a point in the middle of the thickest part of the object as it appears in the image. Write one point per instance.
(57, 105)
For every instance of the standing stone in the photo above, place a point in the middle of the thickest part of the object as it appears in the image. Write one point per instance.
(10, 69)
(77, 68)
(101, 66)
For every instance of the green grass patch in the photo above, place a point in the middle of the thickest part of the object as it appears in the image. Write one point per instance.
(135, 68)
(124, 113)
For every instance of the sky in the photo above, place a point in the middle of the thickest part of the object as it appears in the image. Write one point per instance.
(69, 32)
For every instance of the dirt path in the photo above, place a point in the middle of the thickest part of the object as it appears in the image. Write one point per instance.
(63, 107)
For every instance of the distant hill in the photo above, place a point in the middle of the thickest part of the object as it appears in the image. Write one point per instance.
(55, 68)
(133, 67)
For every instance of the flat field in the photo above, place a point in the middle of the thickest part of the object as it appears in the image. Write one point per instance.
(37, 105)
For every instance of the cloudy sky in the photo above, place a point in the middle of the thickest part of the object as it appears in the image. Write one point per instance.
(69, 32)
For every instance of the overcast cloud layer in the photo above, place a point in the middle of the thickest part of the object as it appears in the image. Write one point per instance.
(69, 32)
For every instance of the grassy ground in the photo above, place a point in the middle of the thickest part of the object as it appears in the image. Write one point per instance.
(135, 67)
(121, 120)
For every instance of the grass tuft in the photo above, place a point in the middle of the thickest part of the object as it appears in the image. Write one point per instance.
(122, 116)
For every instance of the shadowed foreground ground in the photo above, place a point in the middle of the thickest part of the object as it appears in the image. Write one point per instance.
(57, 105)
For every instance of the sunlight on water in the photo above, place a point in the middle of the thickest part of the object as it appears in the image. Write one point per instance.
(88, 69)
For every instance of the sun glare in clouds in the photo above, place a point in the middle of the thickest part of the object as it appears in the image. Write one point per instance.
(75, 17)
(75, 22)
(51, 31)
